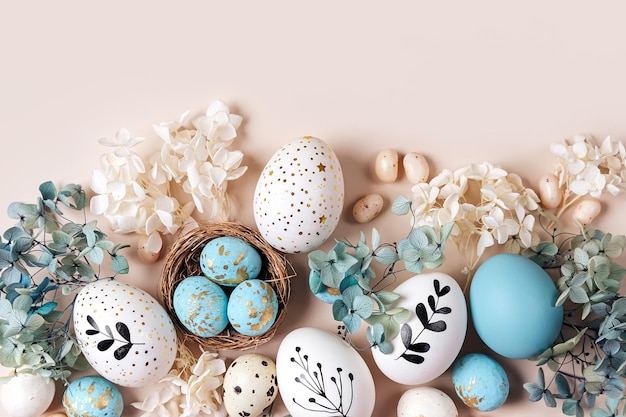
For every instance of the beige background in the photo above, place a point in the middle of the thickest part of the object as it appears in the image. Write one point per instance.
(460, 82)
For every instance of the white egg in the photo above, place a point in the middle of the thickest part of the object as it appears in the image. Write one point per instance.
(426, 402)
(124, 333)
(250, 385)
(320, 374)
(432, 338)
(27, 395)
(299, 196)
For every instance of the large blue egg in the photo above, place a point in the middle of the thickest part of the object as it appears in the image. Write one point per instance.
(92, 396)
(252, 307)
(200, 305)
(512, 304)
(228, 260)
(480, 382)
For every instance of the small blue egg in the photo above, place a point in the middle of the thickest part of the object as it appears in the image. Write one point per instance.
(229, 260)
(480, 382)
(92, 396)
(512, 304)
(252, 307)
(200, 306)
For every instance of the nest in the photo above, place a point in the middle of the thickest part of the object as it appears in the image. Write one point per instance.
(183, 260)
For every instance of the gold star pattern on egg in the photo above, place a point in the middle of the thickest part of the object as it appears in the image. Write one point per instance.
(299, 195)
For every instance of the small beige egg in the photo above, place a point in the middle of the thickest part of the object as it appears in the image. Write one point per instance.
(586, 211)
(386, 166)
(416, 168)
(149, 247)
(549, 191)
(426, 402)
(250, 385)
(367, 208)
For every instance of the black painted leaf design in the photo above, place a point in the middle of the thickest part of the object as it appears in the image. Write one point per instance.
(420, 310)
(437, 326)
(122, 329)
(121, 352)
(431, 302)
(420, 347)
(444, 310)
(417, 359)
(91, 332)
(105, 344)
(108, 331)
(406, 334)
(441, 291)
(92, 322)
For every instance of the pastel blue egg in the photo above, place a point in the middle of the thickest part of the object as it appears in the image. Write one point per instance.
(228, 260)
(92, 396)
(252, 307)
(480, 382)
(200, 305)
(512, 304)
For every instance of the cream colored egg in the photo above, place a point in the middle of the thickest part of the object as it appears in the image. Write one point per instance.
(426, 402)
(586, 211)
(124, 333)
(386, 165)
(549, 191)
(149, 247)
(367, 208)
(27, 395)
(416, 168)
(250, 385)
(299, 196)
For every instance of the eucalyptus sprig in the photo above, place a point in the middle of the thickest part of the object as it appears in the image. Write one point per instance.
(589, 358)
(346, 271)
(44, 258)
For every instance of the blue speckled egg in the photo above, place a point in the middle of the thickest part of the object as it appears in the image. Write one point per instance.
(92, 396)
(229, 260)
(512, 304)
(200, 305)
(480, 382)
(252, 307)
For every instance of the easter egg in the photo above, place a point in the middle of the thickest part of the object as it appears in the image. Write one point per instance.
(512, 304)
(252, 307)
(124, 333)
(27, 395)
(480, 382)
(200, 305)
(299, 196)
(250, 385)
(228, 260)
(426, 402)
(322, 375)
(92, 396)
(430, 341)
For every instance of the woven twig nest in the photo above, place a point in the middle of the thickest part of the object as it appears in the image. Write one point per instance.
(183, 260)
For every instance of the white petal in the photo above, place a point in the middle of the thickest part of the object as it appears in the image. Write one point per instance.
(579, 187)
(99, 182)
(117, 189)
(99, 204)
(216, 106)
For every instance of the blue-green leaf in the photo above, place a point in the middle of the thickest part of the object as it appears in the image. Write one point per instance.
(401, 205)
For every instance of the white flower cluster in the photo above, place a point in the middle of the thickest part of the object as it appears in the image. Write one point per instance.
(137, 195)
(486, 203)
(199, 395)
(585, 168)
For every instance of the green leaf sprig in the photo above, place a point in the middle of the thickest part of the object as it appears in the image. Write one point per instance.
(589, 358)
(346, 271)
(44, 258)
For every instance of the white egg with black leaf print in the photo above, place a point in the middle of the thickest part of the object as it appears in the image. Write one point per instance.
(124, 333)
(320, 374)
(299, 196)
(431, 340)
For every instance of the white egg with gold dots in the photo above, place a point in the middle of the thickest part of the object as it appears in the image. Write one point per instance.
(299, 196)
(124, 333)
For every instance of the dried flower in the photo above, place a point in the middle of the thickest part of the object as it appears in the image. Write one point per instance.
(193, 157)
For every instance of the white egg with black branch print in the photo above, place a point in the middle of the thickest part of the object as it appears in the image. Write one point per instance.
(299, 196)
(319, 374)
(124, 333)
